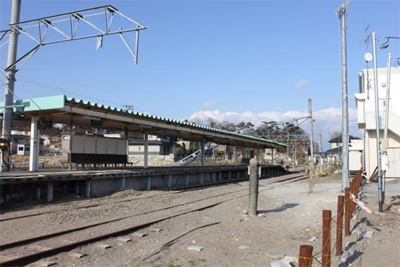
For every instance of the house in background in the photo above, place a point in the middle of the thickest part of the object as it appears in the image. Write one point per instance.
(356, 148)
(365, 101)
(159, 147)
(20, 143)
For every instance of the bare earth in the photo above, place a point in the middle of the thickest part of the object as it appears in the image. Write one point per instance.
(290, 216)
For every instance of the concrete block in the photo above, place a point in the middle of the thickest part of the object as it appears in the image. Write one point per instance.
(103, 246)
(281, 263)
(275, 255)
(124, 239)
(195, 248)
(139, 234)
(243, 247)
(76, 255)
(47, 263)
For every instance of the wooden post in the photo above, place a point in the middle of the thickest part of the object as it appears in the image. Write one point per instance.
(253, 187)
(326, 238)
(347, 212)
(305, 256)
(339, 225)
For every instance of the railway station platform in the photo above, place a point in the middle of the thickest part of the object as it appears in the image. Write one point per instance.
(51, 184)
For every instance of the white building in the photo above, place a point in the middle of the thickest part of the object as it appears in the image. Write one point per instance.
(365, 101)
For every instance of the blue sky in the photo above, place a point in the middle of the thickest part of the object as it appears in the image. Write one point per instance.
(206, 56)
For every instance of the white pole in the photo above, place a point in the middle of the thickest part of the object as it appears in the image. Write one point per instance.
(345, 109)
(311, 134)
(386, 116)
(33, 154)
(387, 96)
(377, 124)
(146, 150)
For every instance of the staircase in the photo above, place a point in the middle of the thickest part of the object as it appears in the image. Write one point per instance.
(196, 155)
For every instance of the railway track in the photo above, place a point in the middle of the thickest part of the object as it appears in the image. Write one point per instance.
(185, 190)
(25, 251)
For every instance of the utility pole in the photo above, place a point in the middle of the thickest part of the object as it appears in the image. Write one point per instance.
(311, 133)
(378, 126)
(386, 118)
(320, 141)
(42, 26)
(345, 110)
(5, 154)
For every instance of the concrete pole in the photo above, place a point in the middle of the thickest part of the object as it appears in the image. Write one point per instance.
(253, 187)
(387, 96)
(345, 108)
(386, 117)
(38, 148)
(33, 154)
(226, 152)
(126, 133)
(320, 141)
(5, 155)
(70, 142)
(202, 153)
(272, 156)
(146, 150)
(258, 155)
(377, 125)
(311, 133)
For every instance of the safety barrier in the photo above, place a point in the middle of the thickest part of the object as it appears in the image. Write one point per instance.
(346, 208)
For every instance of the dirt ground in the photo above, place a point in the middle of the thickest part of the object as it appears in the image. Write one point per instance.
(289, 216)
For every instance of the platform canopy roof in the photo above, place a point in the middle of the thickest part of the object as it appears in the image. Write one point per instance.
(68, 110)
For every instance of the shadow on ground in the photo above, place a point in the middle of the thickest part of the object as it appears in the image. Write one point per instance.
(280, 209)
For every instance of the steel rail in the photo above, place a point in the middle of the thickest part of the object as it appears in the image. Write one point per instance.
(46, 253)
(42, 237)
(52, 251)
(187, 189)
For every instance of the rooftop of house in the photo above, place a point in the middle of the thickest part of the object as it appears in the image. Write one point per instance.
(338, 139)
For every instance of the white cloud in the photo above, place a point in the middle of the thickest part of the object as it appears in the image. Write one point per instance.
(302, 84)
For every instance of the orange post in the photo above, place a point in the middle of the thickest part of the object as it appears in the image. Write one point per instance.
(326, 238)
(347, 211)
(339, 225)
(305, 256)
